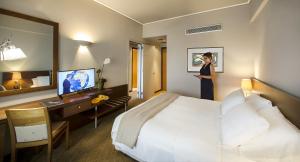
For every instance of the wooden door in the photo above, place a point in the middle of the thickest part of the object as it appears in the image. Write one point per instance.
(134, 67)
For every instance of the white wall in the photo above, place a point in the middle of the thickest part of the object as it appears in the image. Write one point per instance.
(152, 70)
(109, 30)
(236, 38)
(277, 30)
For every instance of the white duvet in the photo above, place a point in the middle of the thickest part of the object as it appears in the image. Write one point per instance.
(187, 130)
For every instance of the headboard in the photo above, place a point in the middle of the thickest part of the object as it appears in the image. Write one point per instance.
(26, 81)
(288, 104)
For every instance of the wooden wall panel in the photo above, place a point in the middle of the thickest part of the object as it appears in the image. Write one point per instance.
(288, 104)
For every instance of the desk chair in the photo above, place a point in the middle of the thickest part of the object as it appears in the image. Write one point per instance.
(32, 127)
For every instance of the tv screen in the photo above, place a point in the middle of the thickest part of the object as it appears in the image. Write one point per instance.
(75, 80)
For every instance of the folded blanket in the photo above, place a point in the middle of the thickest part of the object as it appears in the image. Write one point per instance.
(133, 120)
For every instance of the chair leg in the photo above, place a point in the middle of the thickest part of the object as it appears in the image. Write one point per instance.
(49, 156)
(67, 136)
(96, 117)
(13, 154)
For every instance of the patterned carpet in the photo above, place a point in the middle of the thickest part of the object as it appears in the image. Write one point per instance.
(87, 144)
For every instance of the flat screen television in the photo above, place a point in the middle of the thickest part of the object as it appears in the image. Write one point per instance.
(75, 80)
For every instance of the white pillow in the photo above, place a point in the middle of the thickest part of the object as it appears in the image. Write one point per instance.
(234, 98)
(43, 80)
(241, 124)
(258, 102)
(35, 81)
(281, 140)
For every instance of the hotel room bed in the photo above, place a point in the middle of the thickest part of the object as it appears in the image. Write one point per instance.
(190, 129)
(173, 132)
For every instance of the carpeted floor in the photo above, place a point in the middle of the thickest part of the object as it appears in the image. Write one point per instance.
(87, 144)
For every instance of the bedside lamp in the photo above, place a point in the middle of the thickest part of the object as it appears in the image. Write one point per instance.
(246, 85)
(16, 76)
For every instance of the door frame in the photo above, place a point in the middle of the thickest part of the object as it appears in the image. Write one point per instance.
(161, 69)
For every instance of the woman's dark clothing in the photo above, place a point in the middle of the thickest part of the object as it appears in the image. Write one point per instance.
(207, 87)
(66, 86)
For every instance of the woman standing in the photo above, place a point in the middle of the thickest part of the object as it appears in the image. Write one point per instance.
(207, 76)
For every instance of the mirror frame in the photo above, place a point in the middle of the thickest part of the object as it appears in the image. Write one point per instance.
(55, 52)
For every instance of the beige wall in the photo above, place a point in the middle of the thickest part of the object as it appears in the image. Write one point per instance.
(109, 30)
(236, 38)
(277, 29)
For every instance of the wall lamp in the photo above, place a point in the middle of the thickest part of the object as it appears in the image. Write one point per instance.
(84, 42)
(8, 51)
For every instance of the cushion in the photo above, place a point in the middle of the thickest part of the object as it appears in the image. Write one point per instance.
(43, 80)
(281, 140)
(31, 133)
(234, 98)
(241, 124)
(258, 102)
(35, 81)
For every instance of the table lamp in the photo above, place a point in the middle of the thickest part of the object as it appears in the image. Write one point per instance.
(16, 76)
(246, 85)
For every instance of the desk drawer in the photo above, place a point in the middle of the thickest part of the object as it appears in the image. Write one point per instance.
(76, 108)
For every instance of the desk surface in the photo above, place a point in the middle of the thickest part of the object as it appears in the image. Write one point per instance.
(72, 99)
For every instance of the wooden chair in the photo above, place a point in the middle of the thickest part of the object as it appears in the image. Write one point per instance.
(32, 127)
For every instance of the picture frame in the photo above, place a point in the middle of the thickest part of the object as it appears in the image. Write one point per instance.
(195, 60)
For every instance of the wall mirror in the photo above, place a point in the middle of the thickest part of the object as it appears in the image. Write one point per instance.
(28, 53)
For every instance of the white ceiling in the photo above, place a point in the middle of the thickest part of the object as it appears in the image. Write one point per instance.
(146, 11)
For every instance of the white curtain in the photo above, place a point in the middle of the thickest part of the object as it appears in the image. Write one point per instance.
(140, 81)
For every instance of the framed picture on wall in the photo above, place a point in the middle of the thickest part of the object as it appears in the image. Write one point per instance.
(195, 58)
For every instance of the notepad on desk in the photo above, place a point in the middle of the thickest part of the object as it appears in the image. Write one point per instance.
(52, 103)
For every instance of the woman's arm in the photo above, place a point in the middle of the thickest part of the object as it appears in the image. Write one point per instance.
(212, 73)
(205, 76)
(198, 76)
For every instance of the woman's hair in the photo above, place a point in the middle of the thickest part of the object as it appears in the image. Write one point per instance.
(208, 55)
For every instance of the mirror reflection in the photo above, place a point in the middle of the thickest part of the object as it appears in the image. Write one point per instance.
(26, 54)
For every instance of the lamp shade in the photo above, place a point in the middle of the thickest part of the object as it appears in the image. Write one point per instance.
(106, 61)
(84, 42)
(16, 76)
(13, 54)
(246, 84)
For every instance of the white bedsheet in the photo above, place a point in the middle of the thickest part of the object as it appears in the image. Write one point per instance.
(188, 130)
(177, 133)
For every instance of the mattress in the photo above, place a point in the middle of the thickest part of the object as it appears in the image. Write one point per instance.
(188, 129)
(177, 133)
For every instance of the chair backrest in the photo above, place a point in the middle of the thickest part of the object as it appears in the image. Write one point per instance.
(29, 125)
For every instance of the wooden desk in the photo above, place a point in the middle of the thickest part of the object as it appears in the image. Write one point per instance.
(2, 135)
(69, 106)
